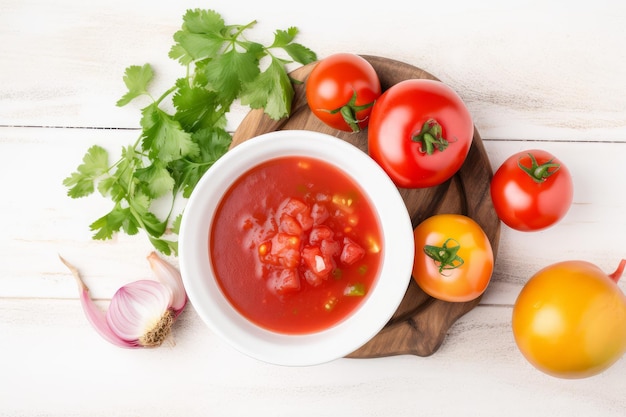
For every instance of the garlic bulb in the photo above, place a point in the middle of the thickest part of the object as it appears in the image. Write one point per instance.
(141, 313)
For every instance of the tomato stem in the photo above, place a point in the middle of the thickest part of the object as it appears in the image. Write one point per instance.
(615, 276)
(445, 257)
(349, 110)
(537, 172)
(430, 137)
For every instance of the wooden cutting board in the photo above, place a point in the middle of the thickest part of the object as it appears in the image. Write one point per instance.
(421, 322)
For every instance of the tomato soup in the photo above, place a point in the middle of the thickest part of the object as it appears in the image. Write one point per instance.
(295, 245)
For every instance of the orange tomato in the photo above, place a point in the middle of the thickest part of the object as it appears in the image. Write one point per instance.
(569, 320)
(453, 257)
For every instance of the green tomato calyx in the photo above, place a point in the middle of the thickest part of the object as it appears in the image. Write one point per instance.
(539, 173)
(444, 256)
(431, 137)
(349, 110)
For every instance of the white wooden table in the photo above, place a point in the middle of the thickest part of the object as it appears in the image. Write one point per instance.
(533, 75)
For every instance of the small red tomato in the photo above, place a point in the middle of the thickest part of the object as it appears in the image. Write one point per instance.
(453, 258)
(420, 133)
(341, 90)
(532, 190)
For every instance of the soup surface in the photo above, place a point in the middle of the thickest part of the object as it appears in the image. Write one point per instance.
(295, 245)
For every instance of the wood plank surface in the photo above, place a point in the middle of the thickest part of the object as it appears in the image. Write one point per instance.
(196, 374)
(533, 74)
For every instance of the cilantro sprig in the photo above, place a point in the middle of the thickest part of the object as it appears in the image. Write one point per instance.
(175, 148)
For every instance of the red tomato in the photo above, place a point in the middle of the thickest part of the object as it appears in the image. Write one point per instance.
(453, 258)
(532, 190)
(341, 91)
(420, 132)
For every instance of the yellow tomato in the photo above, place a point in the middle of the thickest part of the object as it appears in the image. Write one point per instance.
(453, 257)
(569, 320)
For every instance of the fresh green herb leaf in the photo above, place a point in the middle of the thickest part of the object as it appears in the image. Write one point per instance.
(197, 107)
(227, 72)
(157, 179)
(167, 247)
(271, 90)
(283, 38)
(136, 79)
(299, 53)
(140, 209)
(213, 143)
(201, 36)
(163, 137)
(118, 185)
(95, 164)
(203, 21)
(111, 223)
(176, 223)
(174, 149)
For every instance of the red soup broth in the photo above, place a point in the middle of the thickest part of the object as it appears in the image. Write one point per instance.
(295, 245)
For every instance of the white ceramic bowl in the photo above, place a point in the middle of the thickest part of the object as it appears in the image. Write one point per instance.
(309, 349)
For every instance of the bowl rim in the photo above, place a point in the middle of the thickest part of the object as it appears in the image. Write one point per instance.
(302, 349)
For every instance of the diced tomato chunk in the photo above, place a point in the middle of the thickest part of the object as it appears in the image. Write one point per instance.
(319, 213)
(297, 209)
(283, 281)
(305, 220)
(351, 251)
(330, 248)
(282, 241)
(313, 279)
(315, 261)
(289, 225)
(320, 233)
(291, 206)
(286, 249)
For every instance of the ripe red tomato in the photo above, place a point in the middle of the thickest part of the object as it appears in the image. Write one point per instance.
(569, 320)
(341, 91)
(532, 190)
(420, 132)
(453, 257)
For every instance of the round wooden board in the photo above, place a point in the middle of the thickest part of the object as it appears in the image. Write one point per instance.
(420, 323)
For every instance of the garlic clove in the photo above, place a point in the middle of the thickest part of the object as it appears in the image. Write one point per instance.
(95, 316)
(139, 311)
(171, 278)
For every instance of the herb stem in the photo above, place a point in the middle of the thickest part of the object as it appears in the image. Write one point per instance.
(165, 94)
